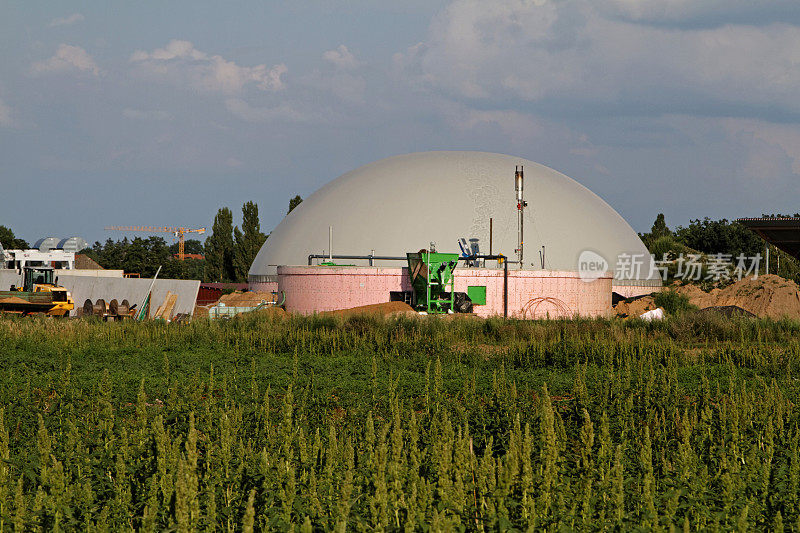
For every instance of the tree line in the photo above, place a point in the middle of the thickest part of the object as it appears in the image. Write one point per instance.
(143, 256)
(229, 250)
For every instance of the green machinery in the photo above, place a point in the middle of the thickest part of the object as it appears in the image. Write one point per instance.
(431, 276)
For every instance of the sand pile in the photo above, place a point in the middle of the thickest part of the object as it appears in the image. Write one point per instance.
(634, 307)
(385, 310)
(769, 296)
(245, 299)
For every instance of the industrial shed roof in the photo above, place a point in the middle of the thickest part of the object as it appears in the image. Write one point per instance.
(783, 233)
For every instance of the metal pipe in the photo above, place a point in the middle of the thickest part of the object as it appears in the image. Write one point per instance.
(311, 257)
(492, 257)
(767, 269)
(491, 221)
(505, 289)
(521, 203)
(330, 243)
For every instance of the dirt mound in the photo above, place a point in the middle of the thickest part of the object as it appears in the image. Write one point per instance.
(245, 299)
(385, 310)
(768, 296)
(634, 307)
(694, 292)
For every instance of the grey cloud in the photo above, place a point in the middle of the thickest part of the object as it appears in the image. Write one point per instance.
(66, 21)
(66, 58)
(342, 58)
(181, 62)
(702, 13)
(570, 52)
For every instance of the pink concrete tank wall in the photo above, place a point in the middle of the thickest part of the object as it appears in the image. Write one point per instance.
(263, 286)
(328, 288)
(531, 293)
(539, 293)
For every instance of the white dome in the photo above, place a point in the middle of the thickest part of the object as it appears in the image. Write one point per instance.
(400, 204)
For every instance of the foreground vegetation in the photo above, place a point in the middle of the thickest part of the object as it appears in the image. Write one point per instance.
(403, 424)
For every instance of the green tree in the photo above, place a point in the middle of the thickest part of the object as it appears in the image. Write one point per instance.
(190, 246)
(11, 242)
(661, 241)
(659, 228)
(186, 269)
(220, 248)
(719, 236)
(294, 202)
(248, 240)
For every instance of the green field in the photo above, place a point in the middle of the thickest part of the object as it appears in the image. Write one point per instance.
(401, 424)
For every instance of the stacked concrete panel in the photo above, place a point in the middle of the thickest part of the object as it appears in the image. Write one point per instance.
(9, 277)
(132, 289)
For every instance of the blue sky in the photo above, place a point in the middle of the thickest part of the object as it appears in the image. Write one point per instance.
(142, 113)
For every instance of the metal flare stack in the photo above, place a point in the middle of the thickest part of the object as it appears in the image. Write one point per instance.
(521, 205)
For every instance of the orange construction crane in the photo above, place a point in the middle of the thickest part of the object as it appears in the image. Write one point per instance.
(178, 232)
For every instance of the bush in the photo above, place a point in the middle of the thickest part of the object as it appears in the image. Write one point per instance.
(667, 245)
(673, 302)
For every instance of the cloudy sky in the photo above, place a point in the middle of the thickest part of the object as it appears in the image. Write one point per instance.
(161, 112)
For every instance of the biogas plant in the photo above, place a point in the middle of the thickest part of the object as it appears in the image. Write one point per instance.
(454, 232)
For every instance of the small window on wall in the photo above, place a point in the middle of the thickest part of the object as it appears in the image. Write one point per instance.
(477, 294)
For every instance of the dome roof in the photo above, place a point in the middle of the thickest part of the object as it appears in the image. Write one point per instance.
(73, 244)
(400, 204)
(45, 244)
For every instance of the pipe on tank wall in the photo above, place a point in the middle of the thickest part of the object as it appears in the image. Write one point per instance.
(505, 289)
